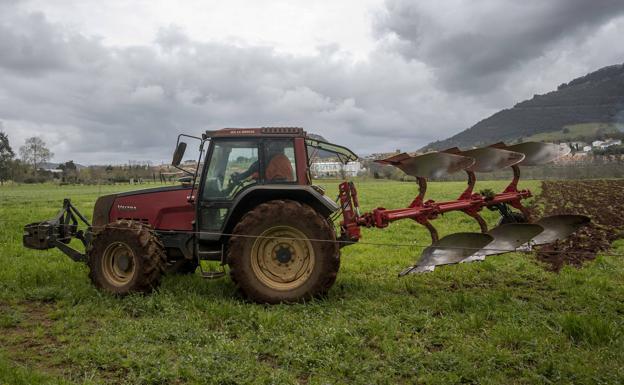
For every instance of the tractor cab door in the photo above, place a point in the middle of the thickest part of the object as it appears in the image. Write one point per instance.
(234, 165)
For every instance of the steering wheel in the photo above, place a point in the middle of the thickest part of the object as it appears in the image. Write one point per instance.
(235, 181)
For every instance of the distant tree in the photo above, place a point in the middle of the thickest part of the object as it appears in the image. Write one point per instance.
(19, 171)
(6, 157)
(35, 152)
(69, 170)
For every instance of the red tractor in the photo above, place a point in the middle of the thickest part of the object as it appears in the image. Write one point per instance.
(253, 207)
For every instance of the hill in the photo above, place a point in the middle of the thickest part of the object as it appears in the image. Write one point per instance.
(582, 109)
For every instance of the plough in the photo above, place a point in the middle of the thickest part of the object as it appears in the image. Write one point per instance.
(514, 232)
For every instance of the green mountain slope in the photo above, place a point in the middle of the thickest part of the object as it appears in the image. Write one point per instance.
(586, 107)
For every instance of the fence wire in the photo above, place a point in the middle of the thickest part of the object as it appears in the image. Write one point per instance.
(347, 243)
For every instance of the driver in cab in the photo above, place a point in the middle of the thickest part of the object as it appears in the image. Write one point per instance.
(278, 169)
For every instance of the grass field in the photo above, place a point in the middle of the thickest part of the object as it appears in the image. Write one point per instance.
(576, 131)
(502, 321)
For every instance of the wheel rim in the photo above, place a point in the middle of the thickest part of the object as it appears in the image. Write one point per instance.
(118, 264)
(279, 263)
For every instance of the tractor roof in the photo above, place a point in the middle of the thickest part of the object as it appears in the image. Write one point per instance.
(344, 154)
(261, 131)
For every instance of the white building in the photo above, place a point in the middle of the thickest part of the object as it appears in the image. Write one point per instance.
(53, 170)
(607, 143)
(335, 169)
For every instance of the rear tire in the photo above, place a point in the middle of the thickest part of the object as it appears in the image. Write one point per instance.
(283, 251)
(125, 257)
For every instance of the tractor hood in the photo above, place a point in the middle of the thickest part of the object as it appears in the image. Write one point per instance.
(164, 208)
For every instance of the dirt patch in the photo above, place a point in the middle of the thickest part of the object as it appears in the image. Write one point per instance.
(29, 341)
(601, 200)
(269, 360)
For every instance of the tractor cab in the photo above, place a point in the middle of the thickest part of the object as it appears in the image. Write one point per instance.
(240, 157)
(244, 167)
(236, 164)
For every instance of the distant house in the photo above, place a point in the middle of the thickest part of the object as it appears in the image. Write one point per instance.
(602, 144)
(587, 148)
(52, 170)
(335, 169)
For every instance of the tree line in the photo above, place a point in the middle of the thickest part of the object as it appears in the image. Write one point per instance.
(27, 168)
(33, 153)
(608, 163)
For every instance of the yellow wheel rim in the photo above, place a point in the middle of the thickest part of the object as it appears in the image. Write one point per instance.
(118, 264)
(279, 263)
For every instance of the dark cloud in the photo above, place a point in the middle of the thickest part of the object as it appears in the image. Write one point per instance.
(92, 101)
(474, 45)
(97, 103)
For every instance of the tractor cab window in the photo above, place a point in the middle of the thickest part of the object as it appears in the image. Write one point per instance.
(233, 166)
(279, 155)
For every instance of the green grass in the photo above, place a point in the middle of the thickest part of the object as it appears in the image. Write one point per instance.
(575, 131)
(502, 321)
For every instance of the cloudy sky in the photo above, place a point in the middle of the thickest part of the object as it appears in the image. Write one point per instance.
(108, 82)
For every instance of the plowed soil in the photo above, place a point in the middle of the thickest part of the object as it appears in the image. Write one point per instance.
(601, 200)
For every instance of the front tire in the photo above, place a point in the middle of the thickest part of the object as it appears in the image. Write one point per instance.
(125, 257)
(283, 251)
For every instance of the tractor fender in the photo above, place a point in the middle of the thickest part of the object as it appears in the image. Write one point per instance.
(255, 195)
(102, 209)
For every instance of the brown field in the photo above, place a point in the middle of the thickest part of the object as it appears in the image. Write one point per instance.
(601, 200)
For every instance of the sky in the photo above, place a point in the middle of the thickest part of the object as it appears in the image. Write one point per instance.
(113, 81)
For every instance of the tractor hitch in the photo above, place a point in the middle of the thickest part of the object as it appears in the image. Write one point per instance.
(58, 232)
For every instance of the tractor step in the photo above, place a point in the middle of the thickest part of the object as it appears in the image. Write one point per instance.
(212, 274)
(211, 255)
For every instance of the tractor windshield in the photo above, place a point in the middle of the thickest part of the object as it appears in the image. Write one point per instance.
(228, 167)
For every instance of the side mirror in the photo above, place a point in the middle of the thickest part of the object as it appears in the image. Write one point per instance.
(178, 154)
